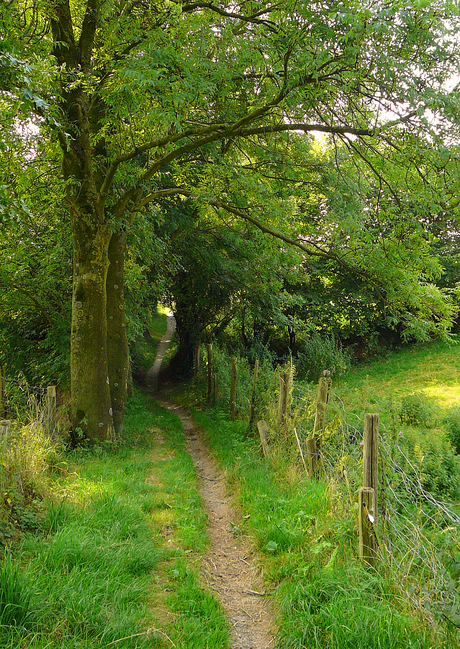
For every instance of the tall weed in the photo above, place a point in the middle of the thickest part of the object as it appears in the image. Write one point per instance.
(15, 596)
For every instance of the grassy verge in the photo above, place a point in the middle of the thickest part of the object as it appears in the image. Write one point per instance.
(115, 562)
(308, 544)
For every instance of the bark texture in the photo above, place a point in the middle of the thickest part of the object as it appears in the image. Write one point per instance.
(91, 404)
(117, 341)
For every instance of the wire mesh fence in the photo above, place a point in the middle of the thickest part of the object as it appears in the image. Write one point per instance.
(418, 532)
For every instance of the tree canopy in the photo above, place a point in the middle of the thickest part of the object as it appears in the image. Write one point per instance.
(219, 105)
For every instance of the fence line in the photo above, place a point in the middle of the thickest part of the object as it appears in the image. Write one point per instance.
(386, 526)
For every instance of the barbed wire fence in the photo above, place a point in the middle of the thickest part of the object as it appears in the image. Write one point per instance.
(418, 533)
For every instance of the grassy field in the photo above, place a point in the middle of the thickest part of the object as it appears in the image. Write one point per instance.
(108, 540)
(113, 560)
(432, 369)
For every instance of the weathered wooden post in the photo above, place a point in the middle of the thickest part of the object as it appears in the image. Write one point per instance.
(370, 456)
(252, 413)
(263, 432)
(2, 392)
(50, 408)
(283, 400)
(210, 372)
(4, 427)
(196, 359)
(234, 374)
(324, 389)
(314, 442)
(366, 516)
(368, 494)
(130, 383)
(312, 456)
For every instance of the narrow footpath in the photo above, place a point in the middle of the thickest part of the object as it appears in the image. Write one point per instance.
(229, 567)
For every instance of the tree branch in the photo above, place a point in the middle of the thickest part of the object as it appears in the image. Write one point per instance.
(64, 47)
(153, 144)
(216, 132)
(88, 31)
(253, 19)
(31, 297)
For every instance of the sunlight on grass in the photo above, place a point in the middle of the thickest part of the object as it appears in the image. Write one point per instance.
(102, 569)
(433, 369)
(444, 395)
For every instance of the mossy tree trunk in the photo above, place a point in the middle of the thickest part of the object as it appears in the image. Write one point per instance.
(91, 408)
(117, 340)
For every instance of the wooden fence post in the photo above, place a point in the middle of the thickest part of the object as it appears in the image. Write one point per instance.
(210, 372)
(314, 442)
(263, 431)
(50, 408)
(4, 427)
(367, 538)
(130, 383)
(234, 374)
(370, 456)
(2, 392)
(324, 388)
(312, 456)
(252, 413)
(283, 400)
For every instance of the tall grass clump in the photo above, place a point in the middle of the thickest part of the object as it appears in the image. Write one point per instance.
(15, 595)
(30, 452)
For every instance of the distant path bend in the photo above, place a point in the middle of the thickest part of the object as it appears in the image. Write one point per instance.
(154, 371)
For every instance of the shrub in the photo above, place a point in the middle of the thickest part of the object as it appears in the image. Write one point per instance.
(318, 353)
(415, 409)
(452, 424)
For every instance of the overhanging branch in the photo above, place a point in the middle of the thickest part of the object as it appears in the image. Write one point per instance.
(204, 136)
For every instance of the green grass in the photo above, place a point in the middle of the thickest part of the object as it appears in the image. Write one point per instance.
(121, 542)
(416, 392)
(306, 533)
(432, 369)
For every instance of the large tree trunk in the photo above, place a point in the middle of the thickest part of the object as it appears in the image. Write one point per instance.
(91, 404)
(117, 341)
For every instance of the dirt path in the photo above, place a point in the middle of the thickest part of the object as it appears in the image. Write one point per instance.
(152, 374)
(229, 566)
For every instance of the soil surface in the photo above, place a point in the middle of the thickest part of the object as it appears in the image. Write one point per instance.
(229, 567)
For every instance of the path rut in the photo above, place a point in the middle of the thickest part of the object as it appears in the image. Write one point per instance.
(229, 567)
